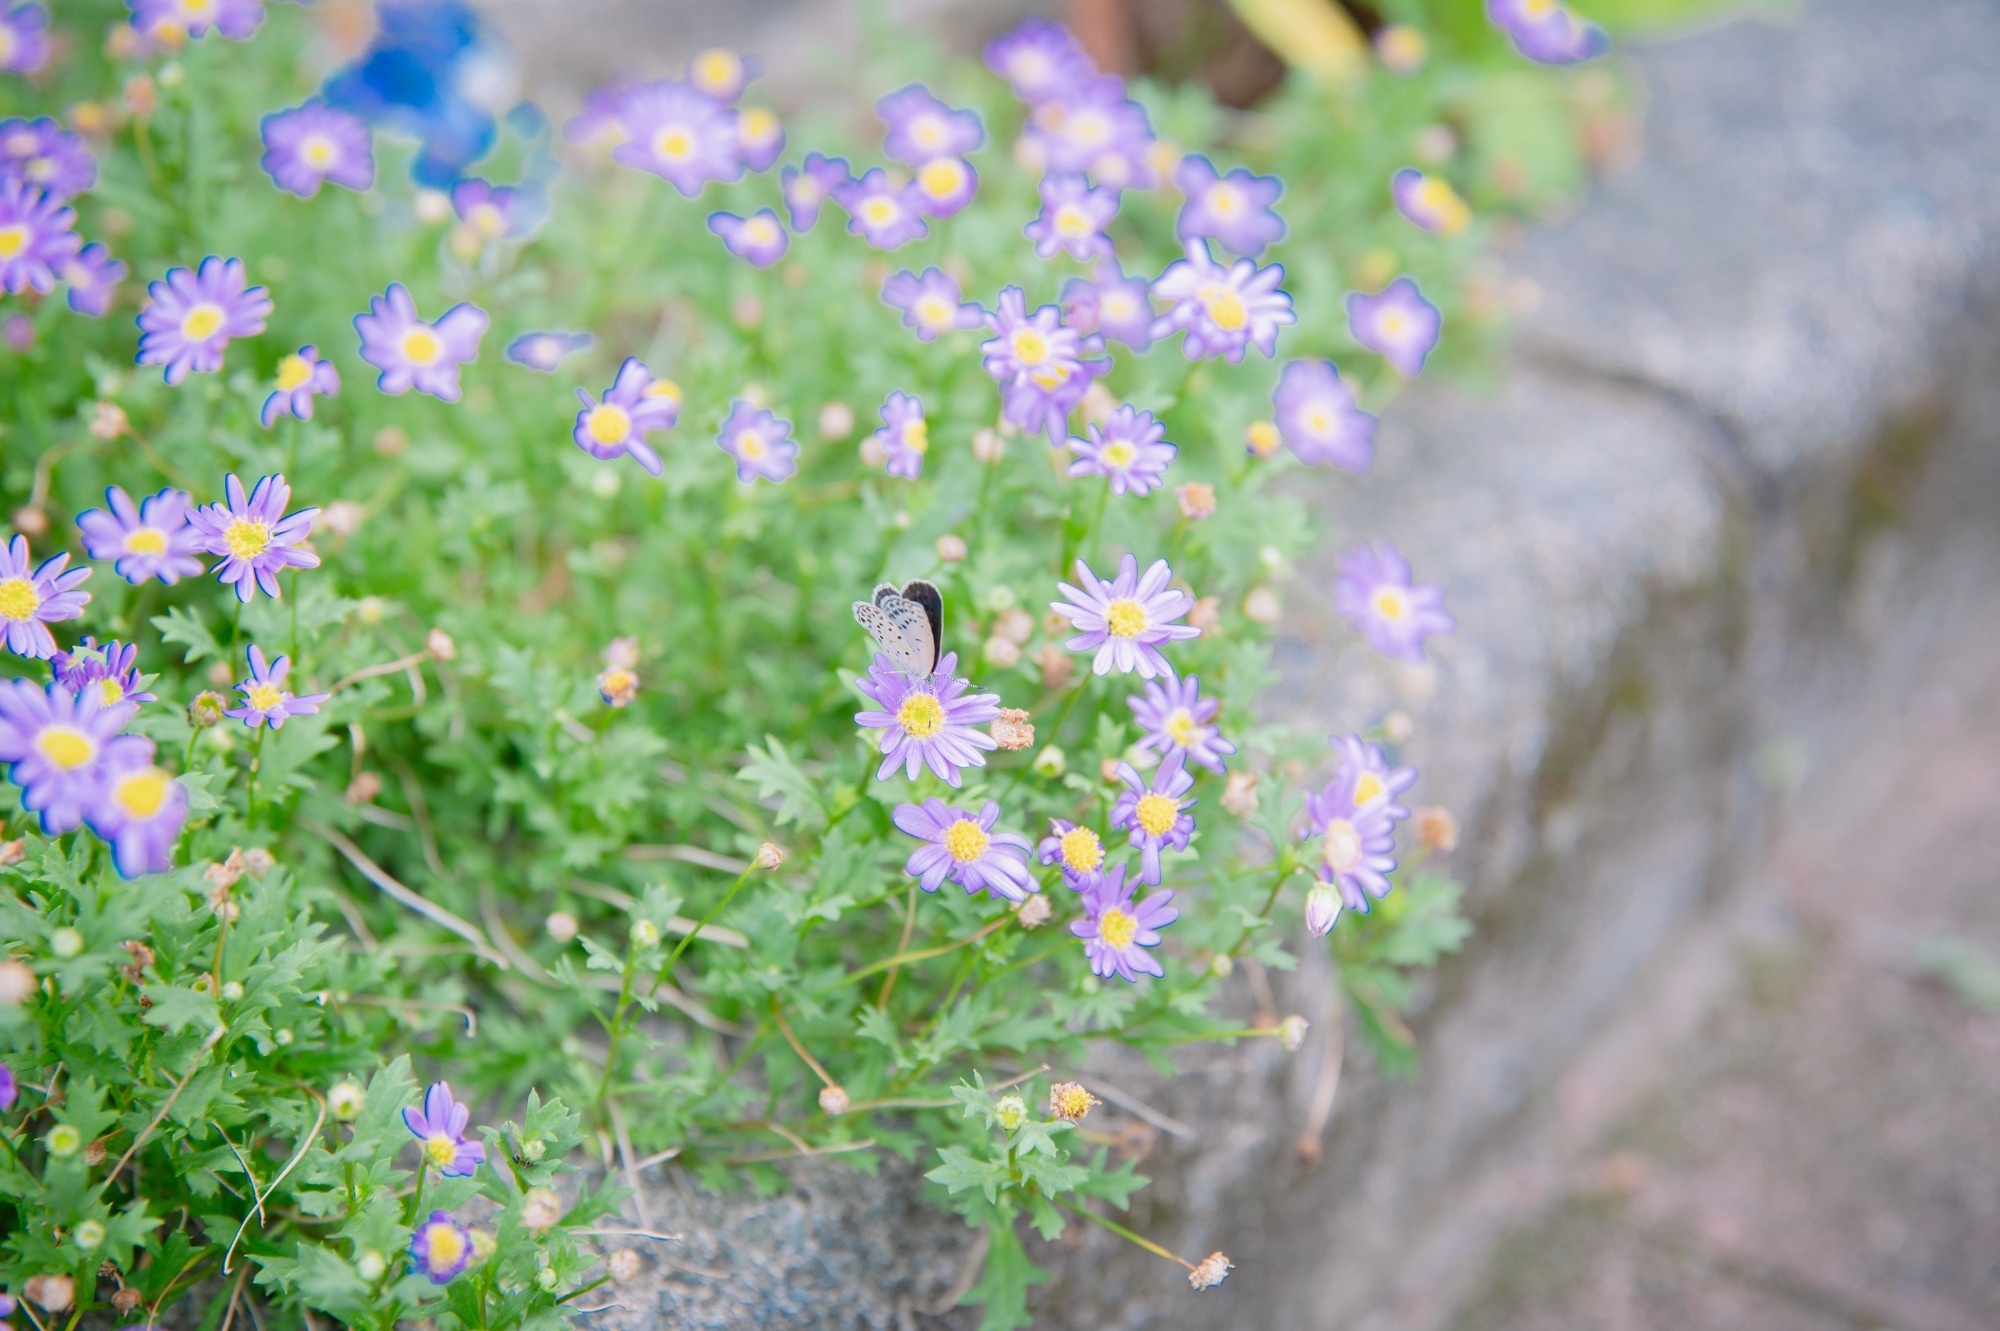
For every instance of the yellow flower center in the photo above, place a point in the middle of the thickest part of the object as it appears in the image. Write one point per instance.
(1090, 128)
(608, 423)
(1118, 305)
(1181, 726)
(444, 1246)
(942, 178)
(917, 437)
(933, 312)
(760, 231)
(1368, 788)
(146, 541)
(1071, 221)
(879, 210)
(966, 840)
(1156, 814)
(1262, 437)
(1318, 421)
(66, 746)
(1119, 454)
(1125, 618)
(1390, 603)
(18, 599)
(673, 143)
(1030, 347)
(197, 9)
(1050, 377)
(928, 131)
(201, 322)
(13, 239)
(440, 1149)
(141, 793)
(719, 69)
(1226, 309)
(421, 346)
(750, 444)
(1224, 200)
(487, 220)
(920, 716)
(318, 151)
(294, 372)
(1082, 852)
(1118, 927)
(110, 691)
(264, 697)
(1342, 846)
(247, 537)
(758, 125)
(1393, 324)
(666, 388)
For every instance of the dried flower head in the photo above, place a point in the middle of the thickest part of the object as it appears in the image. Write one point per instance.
(17, 982)
(1239, 796)
(951, 548)
(258, 861)
(540, 1210)
(53, 1292)
(13, 852)
(225, 874)
(1011, 729)
(1212, 1271)
(1002, 652)
(1033, 912)
(623, 1265)
(1057, 666)
(363, 788)
(1069, 1101)
(1436, 829)
(836, 421)
(833, 1100)
(562, 926)
(769, 855)
(1196, 500)
(108, 420)
(440, 645)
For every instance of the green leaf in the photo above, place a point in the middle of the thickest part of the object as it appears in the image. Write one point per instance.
(777, 776)
(1003, 1286)
(184, 628)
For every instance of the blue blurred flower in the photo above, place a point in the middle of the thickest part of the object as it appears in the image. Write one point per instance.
(437, 73)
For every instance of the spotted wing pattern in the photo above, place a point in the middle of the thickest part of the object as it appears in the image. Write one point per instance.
(905, 626)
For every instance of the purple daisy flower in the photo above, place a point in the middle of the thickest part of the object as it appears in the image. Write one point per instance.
(945, 185)
(758, 237)
(1073, 219)
(962, 846)
(904, 435)
(680, 134)
(1355, 817)
(32, 599)
(721, 73)
(1220, 311)
(266, 700)
(544, 351)
(931, 722)
(760, 137)
(254, 536)
(23, 48)
(930, 302)
(54, 742)
(413, 354)
(110, 671)
(1374, 593)
(1130, 450)
(36, 238)
(1039, 59)
(139, 808)
(886, 216)
(1154, 813)
(1429, 201)
(43, 155)
(10, 1089)
(93, 277)
(149, 540)
(1234, 210)
(1317, 418)
(192, 314)
(1546, 32)
(1125, 621)
(1077, 849)
(1096, 128)
(634, 404)
(234, 19)
(922, 129)
(440, 1126)
(1397, 324)
(806, 187)
(492, 212)
(1112, 305)
(1179, 720)
(302, 376)
(1025, 344)
(310, 144)
(761, 443)
(440, 1248)
(1116, 932)
(1042, 402)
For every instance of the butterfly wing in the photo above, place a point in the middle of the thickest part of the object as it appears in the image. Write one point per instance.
(925, 595)
(893, 623)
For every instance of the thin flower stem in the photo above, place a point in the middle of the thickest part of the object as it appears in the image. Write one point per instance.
(923, 953)
(909, 925)
(701, 924)
(250, 790)
(1123, 1232)
(778, 1015)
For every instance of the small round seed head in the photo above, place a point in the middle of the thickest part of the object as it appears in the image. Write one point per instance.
(1212, 1271)
(623, 1265)
(833, 1100)
(1069, 1101)
(1292, 1032)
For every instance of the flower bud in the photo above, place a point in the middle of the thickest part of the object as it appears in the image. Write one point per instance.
(1260, 439)
(769, 856)
(66, 942)
(873, 452)
(17, 983)
(1108, 770)
(30, 521)
(363, 788)
(618, 686)
(1322, 909)
(561, 925)
(1292, 1032)
(1262, 606)
(534, 1149)
(1069, 1101)
(1098, 403)
(89, 1235)
(1016, 625)
(1222, 966)
(1004, 653)
(342, 517)
(1196, 500)
(344, 1100)
(432, 206)
(108, 420)
(1011, 1111)
(1436, 829)
(126, 1299)
(390, 441)
(52, 1292)
(1398, 726)
(440, 645)
(1011, 730)
(1401, 48)
(1057, 666)
(951, 548)
(836, 421)
(258, 861)
(1212, 1271)
(833, 1100)
(221, 674)
(546, 1279)
(1033, 910)
(622, 1265)
(541, 1209)
(232, 991)
(1050, 762)
(206, 709)
(988, 447)
(1207, 614)
(645, 934)
(370, 1265)
(13, 852)
(63, 1141)
(484, 1245)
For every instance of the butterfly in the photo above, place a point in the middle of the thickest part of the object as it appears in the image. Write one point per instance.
(907, 624)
